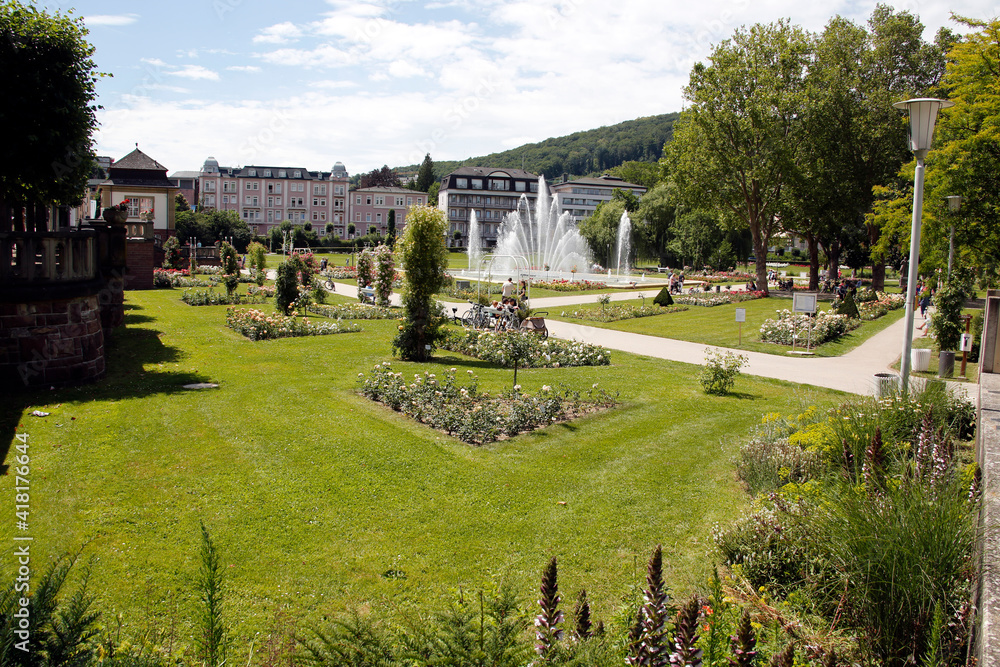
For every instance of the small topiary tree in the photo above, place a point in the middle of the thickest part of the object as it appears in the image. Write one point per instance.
(286, 289)
(172, 253)
(385, 273)
(663, 298)
(423, 255)
(848, 307)
(946, 324)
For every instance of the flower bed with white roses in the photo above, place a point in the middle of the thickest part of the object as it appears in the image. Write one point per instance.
(341, 272)
(258, 325)
(355, 311)
(791, 328)
(883, 303)
(470, 415)
(709, 300)
(614, 313)
(560, 285)
(489, 346)
(167, 278)
(263, 290)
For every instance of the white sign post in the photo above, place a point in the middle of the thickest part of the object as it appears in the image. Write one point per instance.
(741, 317)
(805, 302)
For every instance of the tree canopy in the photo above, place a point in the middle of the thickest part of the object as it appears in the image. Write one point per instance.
(48, 113)
(739, 142)
(425, 177)
(384, 177)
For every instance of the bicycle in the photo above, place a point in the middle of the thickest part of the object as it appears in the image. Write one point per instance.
(328, 283)
(508, 320)
(476, 317)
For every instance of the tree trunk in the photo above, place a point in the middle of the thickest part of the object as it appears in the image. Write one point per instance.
(813, 262)
(878, 263)
(760, 252)
(833, 252)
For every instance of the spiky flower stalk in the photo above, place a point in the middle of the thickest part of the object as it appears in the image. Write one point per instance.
(784, 658)
(686, 653)
(583, 628)
(653, 649)
(547, 631)
(744, 643)
(873, 469)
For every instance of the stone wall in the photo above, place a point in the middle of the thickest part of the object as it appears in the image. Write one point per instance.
(988, 457)
(51, 343)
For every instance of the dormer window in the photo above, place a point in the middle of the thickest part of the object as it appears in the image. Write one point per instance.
(281, 173)
(267, 173)
(253, 172)
(297, 174)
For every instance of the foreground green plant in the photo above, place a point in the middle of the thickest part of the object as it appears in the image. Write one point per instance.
(718, 375)
(424, 256)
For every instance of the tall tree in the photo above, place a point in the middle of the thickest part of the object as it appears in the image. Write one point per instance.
(854, 138)
(601, 230)
(48, 113)
(968, 147)
(425, 177)
(384, 177)
(424, 257)
(738, 144)
(655, 221)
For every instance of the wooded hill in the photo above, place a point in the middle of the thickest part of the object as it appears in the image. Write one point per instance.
(590, 152)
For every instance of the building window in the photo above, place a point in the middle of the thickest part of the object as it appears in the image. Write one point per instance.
(368, 217)
(368, 200)
(281, 173)
(534, 187)
(137, 205)
(379, 201)
(378, 217)
(297, 174)
(409, 201)
(267, 173)
(253, 172)
(399, 201)
(462, 183)
(358, 200)
(519, 186)
(338, 189)
(477, 184)
(497, 184)
(357, 216)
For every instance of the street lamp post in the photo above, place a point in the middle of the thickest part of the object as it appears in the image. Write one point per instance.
(954, 202)
(923, 114)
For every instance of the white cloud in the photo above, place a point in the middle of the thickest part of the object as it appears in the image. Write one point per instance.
(195, 72)
(403, 69)
(333, 85)
(244, 68)
(325, 55)
(281, 33)
(110, 19)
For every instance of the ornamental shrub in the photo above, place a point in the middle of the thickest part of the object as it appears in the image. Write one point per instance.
(720, 371)
(848, 307)
(366, 268)
(172, 253)
(946, 325)
(423, 255)
(227, 257)
(663, 298)
(385, 274)
(286, 288)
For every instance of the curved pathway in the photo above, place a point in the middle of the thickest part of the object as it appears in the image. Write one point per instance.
(852, 372)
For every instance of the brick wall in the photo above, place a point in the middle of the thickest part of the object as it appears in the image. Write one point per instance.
(51, 343)
(140, 258)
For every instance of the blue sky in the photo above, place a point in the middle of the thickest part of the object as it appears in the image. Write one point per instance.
(309, 83)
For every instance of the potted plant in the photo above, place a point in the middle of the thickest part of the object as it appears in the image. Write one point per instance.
(946, 322)
(118, 214)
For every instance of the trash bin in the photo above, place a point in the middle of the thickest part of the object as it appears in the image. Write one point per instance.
(920, 359)
(946, 364)
(886, 384)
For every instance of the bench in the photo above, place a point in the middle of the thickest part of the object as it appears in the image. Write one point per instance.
(662, 269)
(366, 295)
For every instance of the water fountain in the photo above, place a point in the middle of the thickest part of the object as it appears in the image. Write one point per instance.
(546, 238)
(475, 249)
(623, 246)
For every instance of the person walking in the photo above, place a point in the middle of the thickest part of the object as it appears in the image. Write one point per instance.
(508, 288)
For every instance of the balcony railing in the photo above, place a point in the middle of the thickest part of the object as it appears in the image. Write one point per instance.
(62, 256)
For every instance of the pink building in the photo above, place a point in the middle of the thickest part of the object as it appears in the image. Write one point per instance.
(266, 196)
(371, 206)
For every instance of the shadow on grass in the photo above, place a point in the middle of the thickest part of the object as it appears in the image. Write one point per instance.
(126, 352)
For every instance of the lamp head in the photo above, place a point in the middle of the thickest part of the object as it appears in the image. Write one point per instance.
(923, 115)
(954, 202)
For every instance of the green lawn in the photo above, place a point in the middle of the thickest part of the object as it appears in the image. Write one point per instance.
(313, 493)
(717, 325)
